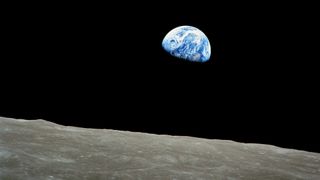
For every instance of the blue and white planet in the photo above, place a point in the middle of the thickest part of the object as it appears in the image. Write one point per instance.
(189, 43)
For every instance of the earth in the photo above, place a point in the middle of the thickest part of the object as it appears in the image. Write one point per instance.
(189, 43)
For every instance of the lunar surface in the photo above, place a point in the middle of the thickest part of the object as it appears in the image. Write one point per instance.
(38, 149)
(189, 43)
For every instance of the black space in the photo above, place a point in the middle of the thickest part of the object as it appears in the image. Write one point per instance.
(102, 66)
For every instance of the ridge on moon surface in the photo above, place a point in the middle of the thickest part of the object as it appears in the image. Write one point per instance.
(38, 149)
(189, 43)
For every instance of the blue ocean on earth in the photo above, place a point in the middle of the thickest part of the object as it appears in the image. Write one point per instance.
(189, 43)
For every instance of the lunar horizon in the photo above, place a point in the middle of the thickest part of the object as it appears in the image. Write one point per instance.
(38, 149)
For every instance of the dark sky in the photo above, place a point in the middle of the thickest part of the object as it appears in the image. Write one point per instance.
(85, 65)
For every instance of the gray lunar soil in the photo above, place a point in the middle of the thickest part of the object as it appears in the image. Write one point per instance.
(38, 149)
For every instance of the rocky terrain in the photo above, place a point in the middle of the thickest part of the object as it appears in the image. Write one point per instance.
(38, 149)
